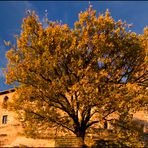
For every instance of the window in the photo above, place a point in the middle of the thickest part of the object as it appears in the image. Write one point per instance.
(105, 125)
(4, 119)
(145, 129)
(5, 98)
(5, 102)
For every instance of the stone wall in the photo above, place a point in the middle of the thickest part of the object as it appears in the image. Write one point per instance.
(10, 127)
(5, 112)
(10, 132)
(66, 142)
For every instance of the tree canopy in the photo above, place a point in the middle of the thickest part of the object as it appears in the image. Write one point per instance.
(75, 78)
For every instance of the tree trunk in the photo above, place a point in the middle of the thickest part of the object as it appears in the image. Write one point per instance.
(81, 136)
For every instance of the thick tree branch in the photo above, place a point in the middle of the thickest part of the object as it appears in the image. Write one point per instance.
(91, 123)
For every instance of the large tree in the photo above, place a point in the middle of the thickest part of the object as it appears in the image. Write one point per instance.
(75, 78)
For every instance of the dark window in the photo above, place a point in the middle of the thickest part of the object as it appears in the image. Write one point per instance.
(146, 128)
(4, 120)
(5, 102)
(105, 125)
(5, 99)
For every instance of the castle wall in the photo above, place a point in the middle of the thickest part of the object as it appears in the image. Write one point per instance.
(9, 126)
(11, 116)
(11, 129)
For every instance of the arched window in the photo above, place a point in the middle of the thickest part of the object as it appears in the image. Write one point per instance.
(5, 101)
(6, 98)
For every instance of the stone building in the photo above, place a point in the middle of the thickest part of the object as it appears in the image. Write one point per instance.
(11, 129)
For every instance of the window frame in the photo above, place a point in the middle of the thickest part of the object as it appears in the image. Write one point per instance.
(4, 119)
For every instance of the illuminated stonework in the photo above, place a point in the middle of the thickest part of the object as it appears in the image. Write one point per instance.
(11, 129)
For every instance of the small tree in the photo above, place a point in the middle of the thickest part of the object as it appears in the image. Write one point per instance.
(76, 78)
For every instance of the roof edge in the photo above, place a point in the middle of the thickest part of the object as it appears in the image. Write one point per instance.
(7, 91)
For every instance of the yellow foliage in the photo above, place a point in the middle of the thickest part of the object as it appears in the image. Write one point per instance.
(66, 77)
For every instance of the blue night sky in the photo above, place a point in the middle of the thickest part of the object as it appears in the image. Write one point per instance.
(12, 13)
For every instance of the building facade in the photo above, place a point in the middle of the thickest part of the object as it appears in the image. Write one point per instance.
(11, 129)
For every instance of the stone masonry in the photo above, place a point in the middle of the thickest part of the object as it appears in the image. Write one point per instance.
(11, 129)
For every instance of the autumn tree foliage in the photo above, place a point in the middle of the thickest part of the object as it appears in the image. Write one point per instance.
(76, 78)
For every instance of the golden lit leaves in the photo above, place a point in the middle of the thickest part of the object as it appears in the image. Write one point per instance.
(65, 76)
